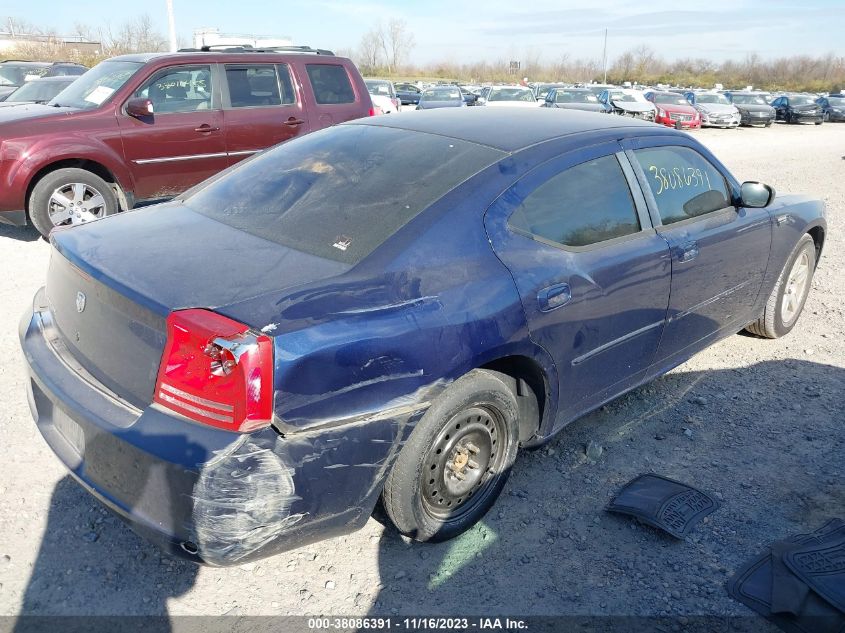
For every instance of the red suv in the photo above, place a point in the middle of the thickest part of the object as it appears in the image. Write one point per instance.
(148, 127)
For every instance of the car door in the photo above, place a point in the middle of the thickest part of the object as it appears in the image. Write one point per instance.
(591, 271)
(260, 108)
(181, 143)
(779, 105)
(719, 251)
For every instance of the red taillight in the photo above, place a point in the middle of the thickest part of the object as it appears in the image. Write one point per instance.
(372, 111)
(216, 371)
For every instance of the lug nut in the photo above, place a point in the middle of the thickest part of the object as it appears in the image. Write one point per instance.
(472, 464)
(472, 448)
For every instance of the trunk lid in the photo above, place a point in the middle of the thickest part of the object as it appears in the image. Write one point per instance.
(112, 283)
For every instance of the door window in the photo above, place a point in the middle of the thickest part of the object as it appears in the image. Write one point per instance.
(684, 184)
(179, 89)
(330, 83)
(584, 205)
(252, 85)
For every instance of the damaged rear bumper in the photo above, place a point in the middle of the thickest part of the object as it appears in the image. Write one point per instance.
(202, 493)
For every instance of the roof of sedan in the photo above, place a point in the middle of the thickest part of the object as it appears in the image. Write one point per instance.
(506, 129)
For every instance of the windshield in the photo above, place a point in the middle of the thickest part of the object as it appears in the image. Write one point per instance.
(39, 91)
(712, 98)
(575, 96)
(341, 192)
(749, 99)
(442, 94)
(511, 94)
(379, 88)
(670, 99)
(94, 87)
(801, 101)
(16, 74)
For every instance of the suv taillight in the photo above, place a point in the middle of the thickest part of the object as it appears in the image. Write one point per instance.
(216, 371)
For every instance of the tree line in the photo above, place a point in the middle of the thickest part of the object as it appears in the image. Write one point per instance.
(385, 50)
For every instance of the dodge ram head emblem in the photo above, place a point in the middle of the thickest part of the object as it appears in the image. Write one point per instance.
(80, 302)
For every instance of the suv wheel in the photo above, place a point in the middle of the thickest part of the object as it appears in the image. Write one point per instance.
(70, 196)
(456, 461)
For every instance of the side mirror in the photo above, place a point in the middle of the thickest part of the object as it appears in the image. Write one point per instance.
(756, 195)
(139, 108)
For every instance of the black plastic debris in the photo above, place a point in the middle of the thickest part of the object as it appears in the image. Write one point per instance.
(664, 503)
(768, 585)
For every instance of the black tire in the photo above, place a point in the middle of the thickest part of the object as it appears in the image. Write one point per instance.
(771, 323)
(769, 124)
(819, 122)
(40, 200)
(478, 405)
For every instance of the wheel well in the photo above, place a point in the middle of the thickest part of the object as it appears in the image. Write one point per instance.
(817, 233)
(531, 388)
(79, 163)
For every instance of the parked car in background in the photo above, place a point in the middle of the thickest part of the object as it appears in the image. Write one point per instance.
(508, 96)
(673, 110)
(794, 108)
(15, 73)
(573, 99)
(408, 94)
(597, 89)
(753, 108)
(39, 90)
(541, 91)
(253, 367)
(833, 107)
(383, 95)
(441, 97)
(470, 98)
(627, 102)
(149, 126)
(715, 109)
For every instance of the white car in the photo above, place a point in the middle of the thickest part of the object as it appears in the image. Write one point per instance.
(715, 109)
(508, 96)
(383, 95)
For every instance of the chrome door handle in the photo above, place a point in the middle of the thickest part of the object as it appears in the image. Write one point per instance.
(553, 297)
(205, 127)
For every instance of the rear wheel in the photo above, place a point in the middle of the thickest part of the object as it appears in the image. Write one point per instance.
(457, 460)
(70, 196)
(789, 295)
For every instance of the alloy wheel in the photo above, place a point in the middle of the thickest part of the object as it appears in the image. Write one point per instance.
(75, 203)
(796, 285)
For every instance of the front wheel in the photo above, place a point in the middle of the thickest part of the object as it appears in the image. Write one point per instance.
(70, 196)
(789, 295)
(456, 461)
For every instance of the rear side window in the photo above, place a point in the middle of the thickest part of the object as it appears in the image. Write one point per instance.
(684, 183)
(330, 83)
(341, 192)
(584, 205)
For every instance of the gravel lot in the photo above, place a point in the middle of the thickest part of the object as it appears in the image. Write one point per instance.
(758, 423)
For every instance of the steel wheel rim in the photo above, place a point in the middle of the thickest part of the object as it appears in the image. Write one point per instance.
(75, 203)
(796, 285)
(472, 445)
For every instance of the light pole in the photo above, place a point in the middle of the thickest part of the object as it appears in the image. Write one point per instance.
(171, 25)
(604, 56)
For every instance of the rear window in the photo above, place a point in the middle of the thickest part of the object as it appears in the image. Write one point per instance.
(341, 192)
(330, 83)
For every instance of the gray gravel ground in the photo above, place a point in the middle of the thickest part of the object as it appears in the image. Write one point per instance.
(758, 423)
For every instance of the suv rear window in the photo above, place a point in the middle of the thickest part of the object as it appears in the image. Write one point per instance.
(330, 83)
(341, 192)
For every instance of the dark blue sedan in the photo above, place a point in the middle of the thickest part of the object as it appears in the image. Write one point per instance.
(252, 366)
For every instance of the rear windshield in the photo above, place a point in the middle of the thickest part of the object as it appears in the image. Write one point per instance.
(341, 192)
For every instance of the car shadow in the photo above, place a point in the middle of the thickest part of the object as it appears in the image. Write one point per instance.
(90, 564)
(766, 439)
(22, 233)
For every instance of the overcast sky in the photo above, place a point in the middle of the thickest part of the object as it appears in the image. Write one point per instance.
(493, 29)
